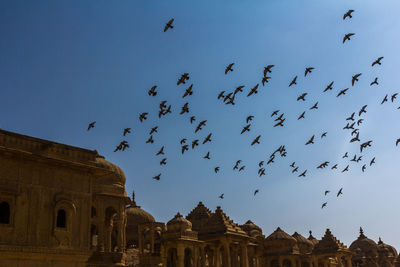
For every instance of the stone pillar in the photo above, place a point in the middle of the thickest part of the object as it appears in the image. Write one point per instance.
(181, 255)
(203, 257)
(244, 257)
(152, 239)
(216, 262)
(348, 259)
(227, 252)
(120, 241)
(195, 256)
(109, 228)
(164, 255)
(234, 257)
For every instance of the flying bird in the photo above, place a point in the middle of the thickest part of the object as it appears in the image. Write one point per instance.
(346, 169)
(348, 14)
(308, 70)
(342, 92)
(311, 141)
(153, 130)
(253, 90)
(143, 116)
(256, 191)
(249, 118)
(340, 192)
(378, 61)
(157, 177)
(195, 143)
(385, 99)
(323, 135)
(397, 141)
(315, 106)
(207, 156)
(267, 69)
(301, 116)
(150, 140)
(374, 82)
(216, 169)
(275, 112)
(168, 25)
(256, 140)
(245, 129)
(324, 205)
(163, 161)
(229, 68)
(302, 97)
(347, 37)
(303, 174)
(161, 151)
(265, 80)
(221, 95)
(393, 97)
(327, 192)
(192, 119)
(126, 131)
(184, 77)
(362, 110)
(152, 91)
(91, 125)
(329, 87)
(184, 148)
(188, 91)
(293, 81)
(207, 139)
(355, 78)
(372, 161)
(221, 196)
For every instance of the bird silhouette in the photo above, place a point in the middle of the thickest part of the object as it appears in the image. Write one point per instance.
(348, 14)
(245, 129)
(184, 148)
(126, 131)
(345, 155)
(168, 25)
(183, 141)
(192, 119)
(327, 192)
(365, 145)
(265, 80)
(362, 110)
(351, 118)
(295, 169)
(329, 87)
(397, 141)
(153, 130)
(342, 92)
(334, 167)
(256, 140)
(207, 156)
(185, 108)
(161, 151)
(216, 169)
(256, 191)
(221, 196)
(261, 163)
(324, 134)
(221, 95)
(249, 118)
(253, 90)
(303, 174)
(301, 116)
(308, 70)
(238, 89)
(91, 125)
(201, 124)
(195, 143)
(150, 140)
(355, 78)
(184, 77)
(393, 97)
(347, 37)
(360, 121)
(157, 177)
(163, 161)
(340, 192)
(267, 69)
(372, 161)
(280, 123)
(152, 91)
(385, 99)
(143, 116)
(363, 168)
(293, 81)
(188, 91)
(375, 81)
(275, 112)
(207, 139)
(346, 169)
(324, 205)
(237, 164)
(293, 164)
(311, 141)
(242, 168)
(229, 68)
(302, 97)
(315, 106)
(378, 61)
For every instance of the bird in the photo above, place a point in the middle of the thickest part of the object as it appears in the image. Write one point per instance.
(348, 14)
(355, 78)
(308, 70)
(245, 129)
(126, 131)
(163, 104)
(91, 125)
(347, 36)
(183, 141)
(221, 196)
(293, 81)
(340, 192)
(351, 118)
(293, 164)
(359, 121)
(184, 77)
(374, 82)
(261, 172)
(363, 168)
(207, 156)
(242, 168)
(157, 177)
(150, 140)
(184, 148)
(397, 141)
(265, 80)
(342, 92)
(143, 116)
(280, 123)
(152, 91)
(345, 155)
(216, 169)
(207, 139)
(329, 87)
(188, 91)
(315, 106)
(356, 138)
(163, 161)
(168, 25)
(161, 151)
(195, 143)
(221, 95)
(256, 191)
(261, 163)
(267, 69)
(256, 140)
(301, 116)
(302, 97)
(238, 89)
(201, 124)
(229, 68)
(295, 170)
(237, 164)
(253, 90)
(372, 161)
(378, 61)
(303, 174)
(192, 119)
(393, 97)
(365, 145)
(185, 108)
(275, 112)
(346, 169)
(334, 167)
(311, 141)
(280, 117)
(324, 205)
(323, 135)
(385, 99)
(327, 192)
(249, 118)
(153, 130)
(362, 110)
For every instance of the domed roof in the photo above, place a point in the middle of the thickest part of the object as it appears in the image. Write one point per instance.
(386, 249)
(301, 239)
(312, 238)
(179, 223)
(118, 177)
(251, 229)
(364, 246)
(279, 234)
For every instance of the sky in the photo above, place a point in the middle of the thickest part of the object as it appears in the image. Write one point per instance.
(64, 64)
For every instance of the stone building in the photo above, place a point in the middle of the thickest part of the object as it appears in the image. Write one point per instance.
(66, 206)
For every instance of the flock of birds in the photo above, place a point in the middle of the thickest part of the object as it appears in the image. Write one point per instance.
(228, 98)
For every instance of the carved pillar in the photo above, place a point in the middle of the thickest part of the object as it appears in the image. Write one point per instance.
(348, 259)
(216, 260)
(227, 253)
(234, 257)
(109, 228)
(203, 257)
(181, 255)
(244, 256)
(120, 241)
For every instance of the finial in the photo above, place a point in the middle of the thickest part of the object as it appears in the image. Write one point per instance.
(310, 232)
(133, 202)
(380, 241)
(361, 231)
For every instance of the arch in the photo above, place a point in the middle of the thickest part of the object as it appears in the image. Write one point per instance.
(5, 213)
(111, 229)
(188, 259)
(61, 221)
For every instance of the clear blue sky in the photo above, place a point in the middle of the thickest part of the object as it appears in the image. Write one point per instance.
(64, 64)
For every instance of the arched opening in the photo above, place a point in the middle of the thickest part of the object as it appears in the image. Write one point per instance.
(111, 228)
(93, 212)
(172, 257)
(188, 260)
(287, 263)
(4, 213)
(208, 256)
(61, 221)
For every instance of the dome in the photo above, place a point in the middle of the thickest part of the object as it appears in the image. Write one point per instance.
(135, 216)
(313, 240)
(279, 234)
(251, 229)
(364, 246)
(386, 250)
(179, 223)
(118, 175)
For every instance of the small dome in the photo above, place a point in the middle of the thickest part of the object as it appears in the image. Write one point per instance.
(135, 216)
(179, 223)
(279, 234)
(312, 238)
(251, 229)
(364, 246)
(118, 175)
(386, 250)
